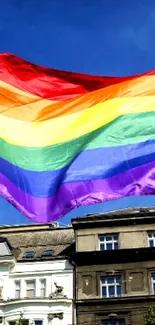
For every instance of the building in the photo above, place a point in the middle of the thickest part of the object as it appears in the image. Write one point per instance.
(35, 275)
(115, 267)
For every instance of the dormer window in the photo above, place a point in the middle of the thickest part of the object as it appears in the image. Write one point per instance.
(28, 254)
(47, 253)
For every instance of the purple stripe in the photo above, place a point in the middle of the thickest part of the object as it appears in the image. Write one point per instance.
(137, 181)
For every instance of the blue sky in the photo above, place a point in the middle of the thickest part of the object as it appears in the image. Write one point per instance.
(106, 37)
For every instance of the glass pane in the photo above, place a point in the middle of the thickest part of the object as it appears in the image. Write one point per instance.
(102, 238)
(104, 292)
(109, 246)
(17, 294)
(42, 292)
(38, 322)
(110, 280)
(47, 253)
(118, 279)
(30, 285)
(103, 280)
(108, 238)
(153, 277)
(102, 247)
(42, 283)
(115, 237)
(30, 293)
(28, 254)
(17, 285)
(150, 235)
(121, 322)
(111, 290)
(118, 290)
(115, 245)
(151, 243)
(105, 323)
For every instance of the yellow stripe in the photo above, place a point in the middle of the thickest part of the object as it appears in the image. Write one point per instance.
(68, 127)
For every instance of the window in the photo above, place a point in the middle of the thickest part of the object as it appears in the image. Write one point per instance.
(38, 322)
(108, 242)
(17, 289)
(153, 283)
(151, 239)
(114, 322)
(30, 289)
(28, 254)
(24, 322)
(48, 253)
(12, 323)
(42, 287)
(111, 286)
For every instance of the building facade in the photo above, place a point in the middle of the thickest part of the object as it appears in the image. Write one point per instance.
(115, 267)
(35, 275)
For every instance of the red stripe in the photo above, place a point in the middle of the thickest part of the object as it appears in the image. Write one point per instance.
(50, 83)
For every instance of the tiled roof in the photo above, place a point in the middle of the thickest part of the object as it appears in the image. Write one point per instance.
(39, 240)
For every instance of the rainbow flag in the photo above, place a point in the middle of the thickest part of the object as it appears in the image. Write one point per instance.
(69, 140)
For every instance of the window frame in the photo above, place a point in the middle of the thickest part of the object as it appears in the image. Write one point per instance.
(15, 282)
(111, 284)
(152, 283)
(28, 281)
(41, 280)
(149, 239)
(105, 241)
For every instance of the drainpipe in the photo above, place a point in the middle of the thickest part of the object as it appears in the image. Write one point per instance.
(74, 293)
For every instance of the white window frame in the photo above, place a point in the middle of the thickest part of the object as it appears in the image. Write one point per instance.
(105, 241)
(114, 284)
(42, 288)
(16, 290)
(152, 281)
(28, 281)
(153, 238)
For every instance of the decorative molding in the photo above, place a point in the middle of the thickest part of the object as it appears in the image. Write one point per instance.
(55, 315)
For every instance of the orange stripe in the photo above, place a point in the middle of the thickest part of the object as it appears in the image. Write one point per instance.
(17, 104)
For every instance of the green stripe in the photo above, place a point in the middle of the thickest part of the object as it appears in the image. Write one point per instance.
(128, 129)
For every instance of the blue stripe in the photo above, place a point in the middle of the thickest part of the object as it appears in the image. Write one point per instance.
(88, 165)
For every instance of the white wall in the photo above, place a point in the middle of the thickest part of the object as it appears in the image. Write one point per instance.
(59, 271)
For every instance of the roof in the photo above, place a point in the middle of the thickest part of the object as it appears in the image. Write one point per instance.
(120, 212)
(38, 239)
(119, 217)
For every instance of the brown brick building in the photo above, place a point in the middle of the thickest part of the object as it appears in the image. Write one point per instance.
(114, 267)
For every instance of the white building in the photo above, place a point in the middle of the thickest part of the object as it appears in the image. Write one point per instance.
(36, 278)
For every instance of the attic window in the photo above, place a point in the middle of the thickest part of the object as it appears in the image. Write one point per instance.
(28, 254)
(47, 253)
